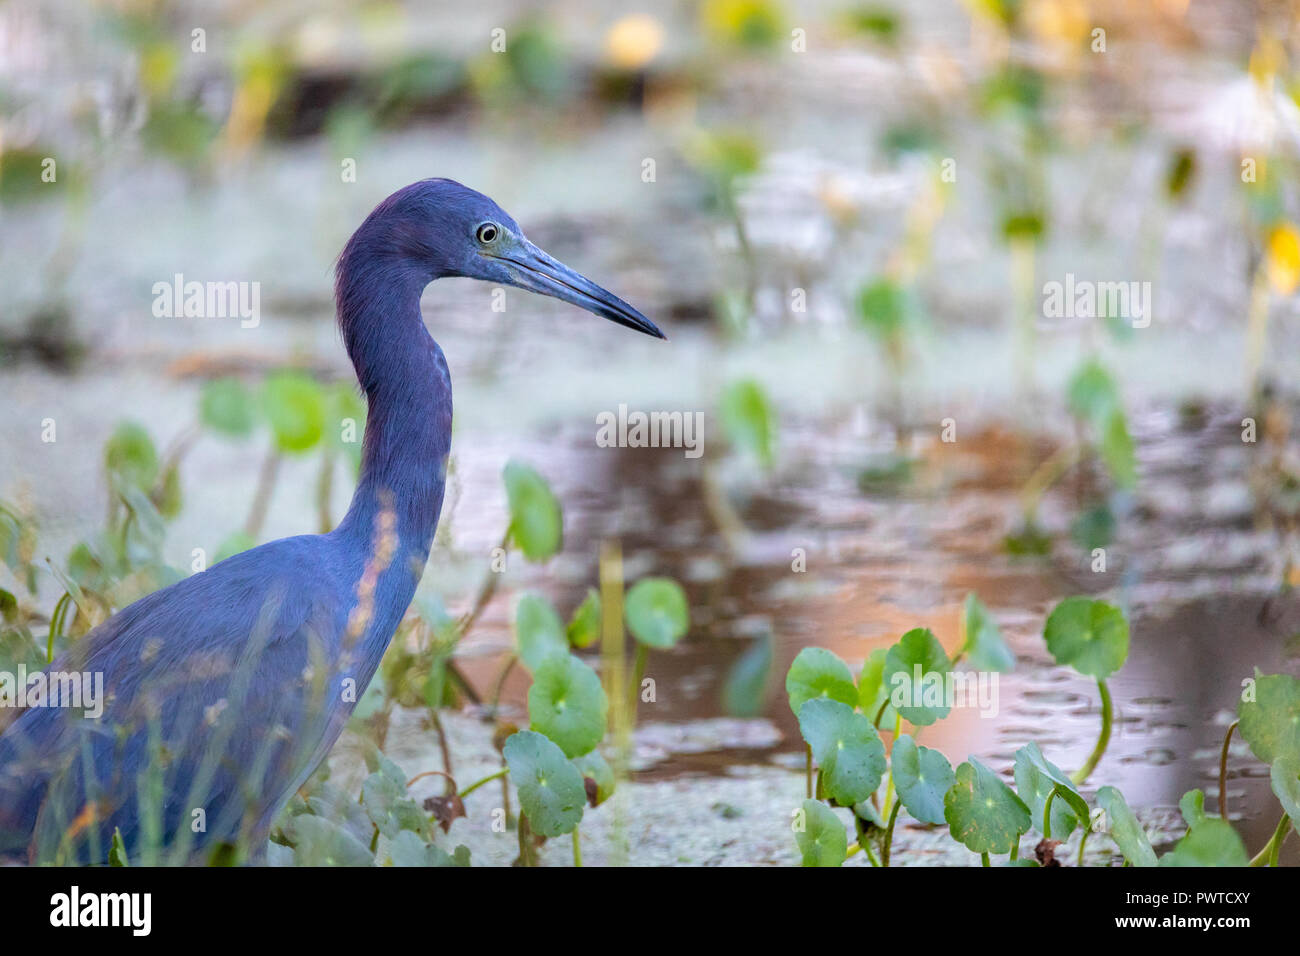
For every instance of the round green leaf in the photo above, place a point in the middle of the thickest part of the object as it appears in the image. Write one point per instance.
(550, 788)
(130, 458)
(295, 407)
(1090, 636)
(915, 676)
(1091, 393)
(1117, 449)
(1270, 722)
(822, 840)
(657, 612)
(883, 309)
(539, 634)
(1123, 826)
(1285, 777)
(744, 691)
(1192, 807)
(1213, 843)
(407, 849)
(536, 523)
(584, 626)
(226, 406)
(846, 748)
(1036, 779)
(748, 420)
(567, 704)
(387, 804)
(322, 842)
(817, 672)
(984, 647)
(922, 776)
(983, 813)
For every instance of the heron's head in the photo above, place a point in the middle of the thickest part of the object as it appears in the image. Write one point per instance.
(441, 228)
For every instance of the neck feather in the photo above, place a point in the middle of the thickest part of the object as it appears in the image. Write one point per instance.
(408, 425)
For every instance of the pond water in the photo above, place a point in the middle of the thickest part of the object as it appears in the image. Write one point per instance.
(1204, 609)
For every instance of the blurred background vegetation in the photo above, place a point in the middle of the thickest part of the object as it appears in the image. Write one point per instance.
(843, 214)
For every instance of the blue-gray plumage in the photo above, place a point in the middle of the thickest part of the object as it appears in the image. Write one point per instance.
(225, 690)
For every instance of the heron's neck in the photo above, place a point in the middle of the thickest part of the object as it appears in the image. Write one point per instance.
(408, 426)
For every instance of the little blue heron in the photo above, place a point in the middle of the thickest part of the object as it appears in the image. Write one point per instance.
(227, 689)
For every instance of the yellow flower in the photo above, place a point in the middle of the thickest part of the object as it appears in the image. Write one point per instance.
(1284, 258)
(634, 41)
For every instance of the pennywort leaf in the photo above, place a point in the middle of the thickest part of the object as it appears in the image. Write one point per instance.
(550, 787)
(822, 838)
(568, 704)
(983, 813)
(657, 612)
(536, 523)
(817, 672)
(1089, 635)
(846, 749)
(922, 776)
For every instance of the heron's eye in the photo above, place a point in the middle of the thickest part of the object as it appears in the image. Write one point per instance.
(488, 232)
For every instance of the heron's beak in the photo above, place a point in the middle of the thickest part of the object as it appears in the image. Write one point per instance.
(534, 270)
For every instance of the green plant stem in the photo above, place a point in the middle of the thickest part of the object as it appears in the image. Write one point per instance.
(488, 779)
(445, 749)
(889, 834)
(175, 453)
(485, 592)
(428, 773)
(58, 621)
(984, 859)
(722, 511)
(613, 653)
(461, 681)
(324, 490)
(1267, 856)
(880, 713)
(577, 848)
(501, 681)
(525, 838)
(1083, 841)
(1256, 324)
(1107, 715)
(1015, 851)
(1044, 476)
(1047, 815)
(1223, 770)
(78, 596)
(890, 793)
(1022, 286)
(808, 784)
(728, 195)
(505, 792)
(870, 856)
(262, 497)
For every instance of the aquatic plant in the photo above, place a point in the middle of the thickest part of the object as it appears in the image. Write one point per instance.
(840, 721)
